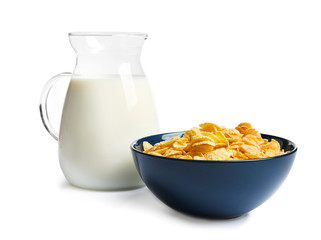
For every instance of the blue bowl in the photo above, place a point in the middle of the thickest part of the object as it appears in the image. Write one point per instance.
(214, 189)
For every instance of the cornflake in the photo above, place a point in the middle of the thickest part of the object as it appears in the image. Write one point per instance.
(213, 142)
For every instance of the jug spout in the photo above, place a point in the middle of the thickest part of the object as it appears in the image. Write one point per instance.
(107, 52)
(107, 43)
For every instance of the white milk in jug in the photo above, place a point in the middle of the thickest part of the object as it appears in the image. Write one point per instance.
(102, 116)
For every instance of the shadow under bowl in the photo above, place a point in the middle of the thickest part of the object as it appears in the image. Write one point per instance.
(213, 189)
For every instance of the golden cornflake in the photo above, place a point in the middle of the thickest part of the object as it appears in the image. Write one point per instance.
(213, 142)
(147, 146)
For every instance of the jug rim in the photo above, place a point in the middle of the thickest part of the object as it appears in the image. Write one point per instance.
(110, 34)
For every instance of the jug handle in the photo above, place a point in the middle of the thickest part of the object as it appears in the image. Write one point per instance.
(43, 102)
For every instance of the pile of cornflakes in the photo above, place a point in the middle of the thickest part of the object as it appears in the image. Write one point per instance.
(213, 142)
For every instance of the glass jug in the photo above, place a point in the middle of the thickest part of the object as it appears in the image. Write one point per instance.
(107, 106)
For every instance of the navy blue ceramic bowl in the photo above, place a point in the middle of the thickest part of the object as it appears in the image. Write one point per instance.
(214, 189)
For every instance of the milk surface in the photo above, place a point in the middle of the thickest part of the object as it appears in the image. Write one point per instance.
(102, 116)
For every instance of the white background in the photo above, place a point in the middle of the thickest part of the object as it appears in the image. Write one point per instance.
(219, 61)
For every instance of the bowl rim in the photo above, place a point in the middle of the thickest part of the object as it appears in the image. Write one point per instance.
(134, 143)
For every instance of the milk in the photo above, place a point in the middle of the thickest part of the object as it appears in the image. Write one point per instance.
(102, 115)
